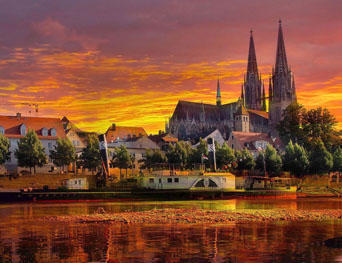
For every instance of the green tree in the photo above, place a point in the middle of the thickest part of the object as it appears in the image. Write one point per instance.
(321, 161)
(153, 156)
(4, 149)
(30, 152)
(289, 128)
(201, 149)
(179, 154)
(122, 159)
(245, 160)
(320, 124)
(225, 156)
(337, 157)
(295, 159)
(271, 158)
(91, 156)
(63, 153)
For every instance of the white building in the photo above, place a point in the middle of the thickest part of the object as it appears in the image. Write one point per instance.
(16, 127)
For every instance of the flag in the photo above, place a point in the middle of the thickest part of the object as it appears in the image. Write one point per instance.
(204, 157)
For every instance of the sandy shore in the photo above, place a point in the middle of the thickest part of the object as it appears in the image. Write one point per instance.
(198, 216)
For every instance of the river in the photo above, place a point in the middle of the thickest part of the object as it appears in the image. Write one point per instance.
(25, 239)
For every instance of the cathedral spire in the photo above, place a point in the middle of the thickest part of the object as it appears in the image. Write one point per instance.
(281, 60)
(294, 88)
(218, 92)
(270, 91)
(252, 66)
(242, 95)
(264, 107)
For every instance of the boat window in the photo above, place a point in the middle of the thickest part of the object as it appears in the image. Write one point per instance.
(200, 183)
(176, 180)
(223, 180)
(151, 180)
(75, 181)
(169, 180)
(160, 180)
(212, 183)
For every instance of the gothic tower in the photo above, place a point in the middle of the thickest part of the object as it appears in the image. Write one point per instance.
(282, 85)
(218, 93)
(252, 84)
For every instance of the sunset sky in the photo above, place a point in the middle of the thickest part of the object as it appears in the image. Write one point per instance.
(128, 62)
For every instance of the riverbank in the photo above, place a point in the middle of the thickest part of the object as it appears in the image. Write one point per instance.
(198, 216)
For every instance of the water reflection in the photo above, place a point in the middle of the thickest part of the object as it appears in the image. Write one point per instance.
(23, 239)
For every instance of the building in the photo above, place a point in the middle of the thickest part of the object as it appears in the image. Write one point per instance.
(164, 140)
(215, 134)
(136, 146)
(252, 141)
(249, 112)
(16, 127)
(115, 132)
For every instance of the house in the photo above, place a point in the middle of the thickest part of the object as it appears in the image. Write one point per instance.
(16, 127)
(215, 134)
(164, 140)
(252, 141)
(115, 132)
(136, 146)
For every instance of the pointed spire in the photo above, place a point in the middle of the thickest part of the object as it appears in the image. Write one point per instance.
(252, 66)
(270, 91)
(264, 107)
(294, 88)
(218, 92)
(281, 60)
(242, 95)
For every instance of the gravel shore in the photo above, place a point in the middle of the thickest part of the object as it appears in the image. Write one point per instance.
(198, 216)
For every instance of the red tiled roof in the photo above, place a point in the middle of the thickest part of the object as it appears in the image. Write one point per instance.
(122, 132)
(12, 124)
(260, 113)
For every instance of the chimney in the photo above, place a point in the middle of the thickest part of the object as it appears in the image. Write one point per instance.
(113, 127)
(18, 115)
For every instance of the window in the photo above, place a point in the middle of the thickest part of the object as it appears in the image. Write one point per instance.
(176, 180)
(23, 129)
(160, 180)
(2, 130)
(75, 181)
(78, 143)
(49, 145)
(151, 180)
(53, 132)
(169, 180)
(79, 181)
(232, 146)
(45, 132)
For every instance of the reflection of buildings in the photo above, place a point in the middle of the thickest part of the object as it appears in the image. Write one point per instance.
(248, 113)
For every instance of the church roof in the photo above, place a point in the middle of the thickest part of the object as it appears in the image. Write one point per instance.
(260, 113)
(192, 110)
(241, 110)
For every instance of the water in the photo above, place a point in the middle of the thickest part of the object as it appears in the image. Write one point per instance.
(24, 239)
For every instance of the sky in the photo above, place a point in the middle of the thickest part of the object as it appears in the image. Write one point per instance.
(129, 62)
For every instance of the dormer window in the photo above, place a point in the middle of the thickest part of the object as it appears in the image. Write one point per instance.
(53, 132)
(23, 129)
(45, 132)
(2, 130)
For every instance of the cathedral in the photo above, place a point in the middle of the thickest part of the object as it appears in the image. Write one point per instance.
(249, 113)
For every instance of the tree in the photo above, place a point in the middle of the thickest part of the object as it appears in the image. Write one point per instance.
(295, 159)
(289, 128)
(271, 158)
(4, 149)
(337, 157)
(91, 156)
(201, 149)
(320, 124)
(321, 161)
(225, 156)
(30, 152)
(179, 153)
(122, 159)
(63, 153)
(245, 160)
(153, 156)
